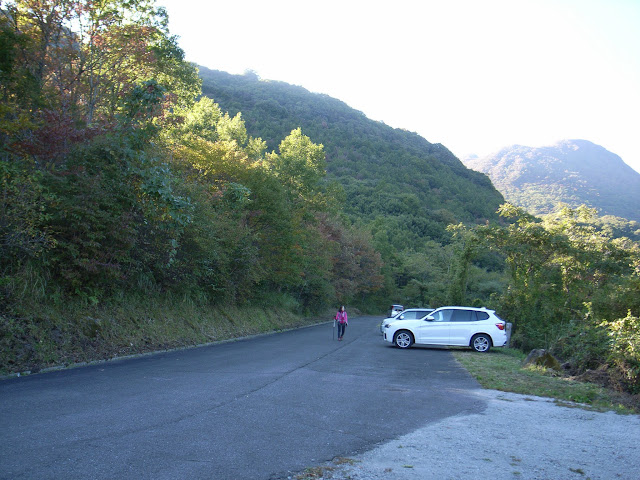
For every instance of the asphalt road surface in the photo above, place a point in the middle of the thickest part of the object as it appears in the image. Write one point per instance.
(259, 408)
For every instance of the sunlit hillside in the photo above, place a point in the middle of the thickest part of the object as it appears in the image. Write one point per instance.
(573, 172)
(409, 187)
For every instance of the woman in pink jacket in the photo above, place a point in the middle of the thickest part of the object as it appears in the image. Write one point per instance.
(341, 318)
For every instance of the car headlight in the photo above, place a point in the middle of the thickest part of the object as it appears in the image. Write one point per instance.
(387, 325)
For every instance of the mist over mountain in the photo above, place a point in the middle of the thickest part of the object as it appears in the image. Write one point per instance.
(573, 172)
(394, 178)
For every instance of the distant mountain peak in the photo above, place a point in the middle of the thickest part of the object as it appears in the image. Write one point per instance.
(572, 171)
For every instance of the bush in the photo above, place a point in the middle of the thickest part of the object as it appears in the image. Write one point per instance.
(38, 336)
(624, 355)
(581, 344)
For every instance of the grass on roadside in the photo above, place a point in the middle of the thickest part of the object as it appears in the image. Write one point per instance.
(502, 369)
(42, 336)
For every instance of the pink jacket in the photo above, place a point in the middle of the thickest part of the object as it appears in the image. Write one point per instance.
(341, 317)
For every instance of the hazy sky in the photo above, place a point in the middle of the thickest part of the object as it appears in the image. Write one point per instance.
(474, 75)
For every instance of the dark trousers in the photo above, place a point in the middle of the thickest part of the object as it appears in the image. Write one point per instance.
(341, 329)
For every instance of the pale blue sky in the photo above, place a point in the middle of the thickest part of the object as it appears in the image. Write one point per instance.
(473, 75)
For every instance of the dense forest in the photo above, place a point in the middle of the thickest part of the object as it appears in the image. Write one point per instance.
(121, 186)
(147, 205)
(393, 183)
(385, 172)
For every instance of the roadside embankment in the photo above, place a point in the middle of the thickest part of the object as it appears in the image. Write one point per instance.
(64, 335)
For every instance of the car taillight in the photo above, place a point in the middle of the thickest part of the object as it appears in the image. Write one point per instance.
(500, 326)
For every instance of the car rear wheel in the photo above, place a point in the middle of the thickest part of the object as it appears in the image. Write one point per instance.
(403, 339)
(481, 342)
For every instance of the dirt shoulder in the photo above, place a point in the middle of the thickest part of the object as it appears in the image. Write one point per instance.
(517, 437)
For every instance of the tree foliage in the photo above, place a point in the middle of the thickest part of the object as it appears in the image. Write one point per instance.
(393, 183)
(115, 178)
(569, 282)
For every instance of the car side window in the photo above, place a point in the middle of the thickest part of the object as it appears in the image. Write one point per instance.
(442, 316)
(483, 315)
(462, 316)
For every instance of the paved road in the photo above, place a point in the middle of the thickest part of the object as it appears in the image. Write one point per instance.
(258, 408)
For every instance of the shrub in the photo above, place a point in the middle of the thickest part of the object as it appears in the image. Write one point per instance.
(624, 355)
(582, 344)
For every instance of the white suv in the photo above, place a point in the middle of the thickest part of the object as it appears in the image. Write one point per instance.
(477, 328)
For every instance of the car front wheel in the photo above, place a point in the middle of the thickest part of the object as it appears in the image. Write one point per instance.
(403, 339)
(481, 343)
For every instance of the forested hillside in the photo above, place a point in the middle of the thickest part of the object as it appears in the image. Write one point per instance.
(393, 183)
(573, 172)
(123, 194)
(413, 188)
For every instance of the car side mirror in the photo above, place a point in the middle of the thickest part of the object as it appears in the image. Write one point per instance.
(401, 317)
(429, 318)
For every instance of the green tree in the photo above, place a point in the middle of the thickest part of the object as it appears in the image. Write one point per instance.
(300, 164)
(81, 57)
(87, 86)
(561, 270)
(466, 246)
(533, 299)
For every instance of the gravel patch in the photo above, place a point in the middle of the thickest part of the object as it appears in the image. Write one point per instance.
(517, 437)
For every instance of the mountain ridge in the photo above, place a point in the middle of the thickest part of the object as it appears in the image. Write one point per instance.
(389, 175)
(572, 172)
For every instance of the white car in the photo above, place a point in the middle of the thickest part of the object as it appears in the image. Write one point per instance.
(477, 328)
(408, 314)
(395, 309)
